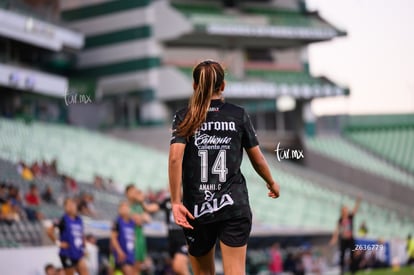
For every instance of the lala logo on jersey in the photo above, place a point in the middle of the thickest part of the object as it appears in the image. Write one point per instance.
(212, 204)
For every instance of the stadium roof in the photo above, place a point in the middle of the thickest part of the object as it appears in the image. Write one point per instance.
(267, 85)
(271, 27)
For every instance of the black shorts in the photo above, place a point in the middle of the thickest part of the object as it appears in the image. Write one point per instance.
(233, 232)
(68, 262)
(119, 266)
(177, 243)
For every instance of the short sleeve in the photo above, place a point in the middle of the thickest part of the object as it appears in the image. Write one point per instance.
(115, 227)
(60, 224)
(249, 138)
(174, 137)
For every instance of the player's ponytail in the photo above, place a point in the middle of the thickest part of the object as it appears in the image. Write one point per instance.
(208, 77)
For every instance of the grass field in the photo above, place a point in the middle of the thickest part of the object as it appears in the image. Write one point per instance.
(389, 271)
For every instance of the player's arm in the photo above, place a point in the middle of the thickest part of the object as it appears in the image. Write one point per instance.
(138, 219)
(115, 244)
(150, 207)
(175, 162)
(262, 168)
(357, 204)
(335, 235)
(50, 231)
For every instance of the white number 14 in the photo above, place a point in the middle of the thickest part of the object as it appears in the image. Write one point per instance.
(219, 166)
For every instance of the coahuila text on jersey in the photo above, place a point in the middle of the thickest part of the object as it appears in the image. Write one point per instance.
(212, 206)
(218, 126)
(205, 139)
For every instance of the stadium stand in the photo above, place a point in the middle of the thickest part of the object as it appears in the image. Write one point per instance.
(305, 204)
(81, 153)
(22, 233)
(342, 150)
(390, 137)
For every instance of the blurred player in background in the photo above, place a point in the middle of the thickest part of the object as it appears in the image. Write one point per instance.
(410, 250)
(177, 246)
(140, 211)
(71, 241)
(123, 240)
(205, 155)
(344, 232)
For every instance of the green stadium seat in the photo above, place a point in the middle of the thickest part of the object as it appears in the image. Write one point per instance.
(83, 154)
(346, 152)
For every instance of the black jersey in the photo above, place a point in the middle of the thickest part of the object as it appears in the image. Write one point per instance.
(213, 185)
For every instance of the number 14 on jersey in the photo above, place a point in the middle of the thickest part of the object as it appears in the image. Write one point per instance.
(219, 167)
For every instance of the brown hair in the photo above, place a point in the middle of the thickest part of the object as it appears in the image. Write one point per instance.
(208, 77)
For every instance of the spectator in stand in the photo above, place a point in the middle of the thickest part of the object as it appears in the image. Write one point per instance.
(111, 185)
(50, 269)
(26, 173)
(85, 206)
(69, 184)
(53, 168)
(20, 166)
(47, 195)
(36, 170)
(3, 193)
(44, 168)
(33, 202)
(17, 201)
(9, 213)
(32, 197)
(98, 183)
(276, 261)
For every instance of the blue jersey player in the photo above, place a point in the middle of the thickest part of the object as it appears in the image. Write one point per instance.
(123, 240)
(71, 241)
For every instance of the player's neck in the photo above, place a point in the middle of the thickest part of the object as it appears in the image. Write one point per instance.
(72, 216)
(216, 96)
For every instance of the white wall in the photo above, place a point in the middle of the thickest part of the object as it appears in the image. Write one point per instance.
(28, 260)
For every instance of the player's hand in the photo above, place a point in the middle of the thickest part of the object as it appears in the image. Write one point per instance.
(121, 256)
(137, 219)
(274, 190)
(181, 213)
(146, 218)
(64, 245)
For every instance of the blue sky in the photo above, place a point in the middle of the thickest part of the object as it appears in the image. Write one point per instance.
(375, 60)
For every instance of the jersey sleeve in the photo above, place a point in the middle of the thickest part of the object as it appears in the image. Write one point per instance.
(249, 138)
(174, 137)
(115, 227)
(60, 224)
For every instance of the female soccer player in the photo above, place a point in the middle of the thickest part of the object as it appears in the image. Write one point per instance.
(71, 241)
(344, 232)
(205, 155)
(123, 240)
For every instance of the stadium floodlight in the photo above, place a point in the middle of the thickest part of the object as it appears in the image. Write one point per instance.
(285, 103)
